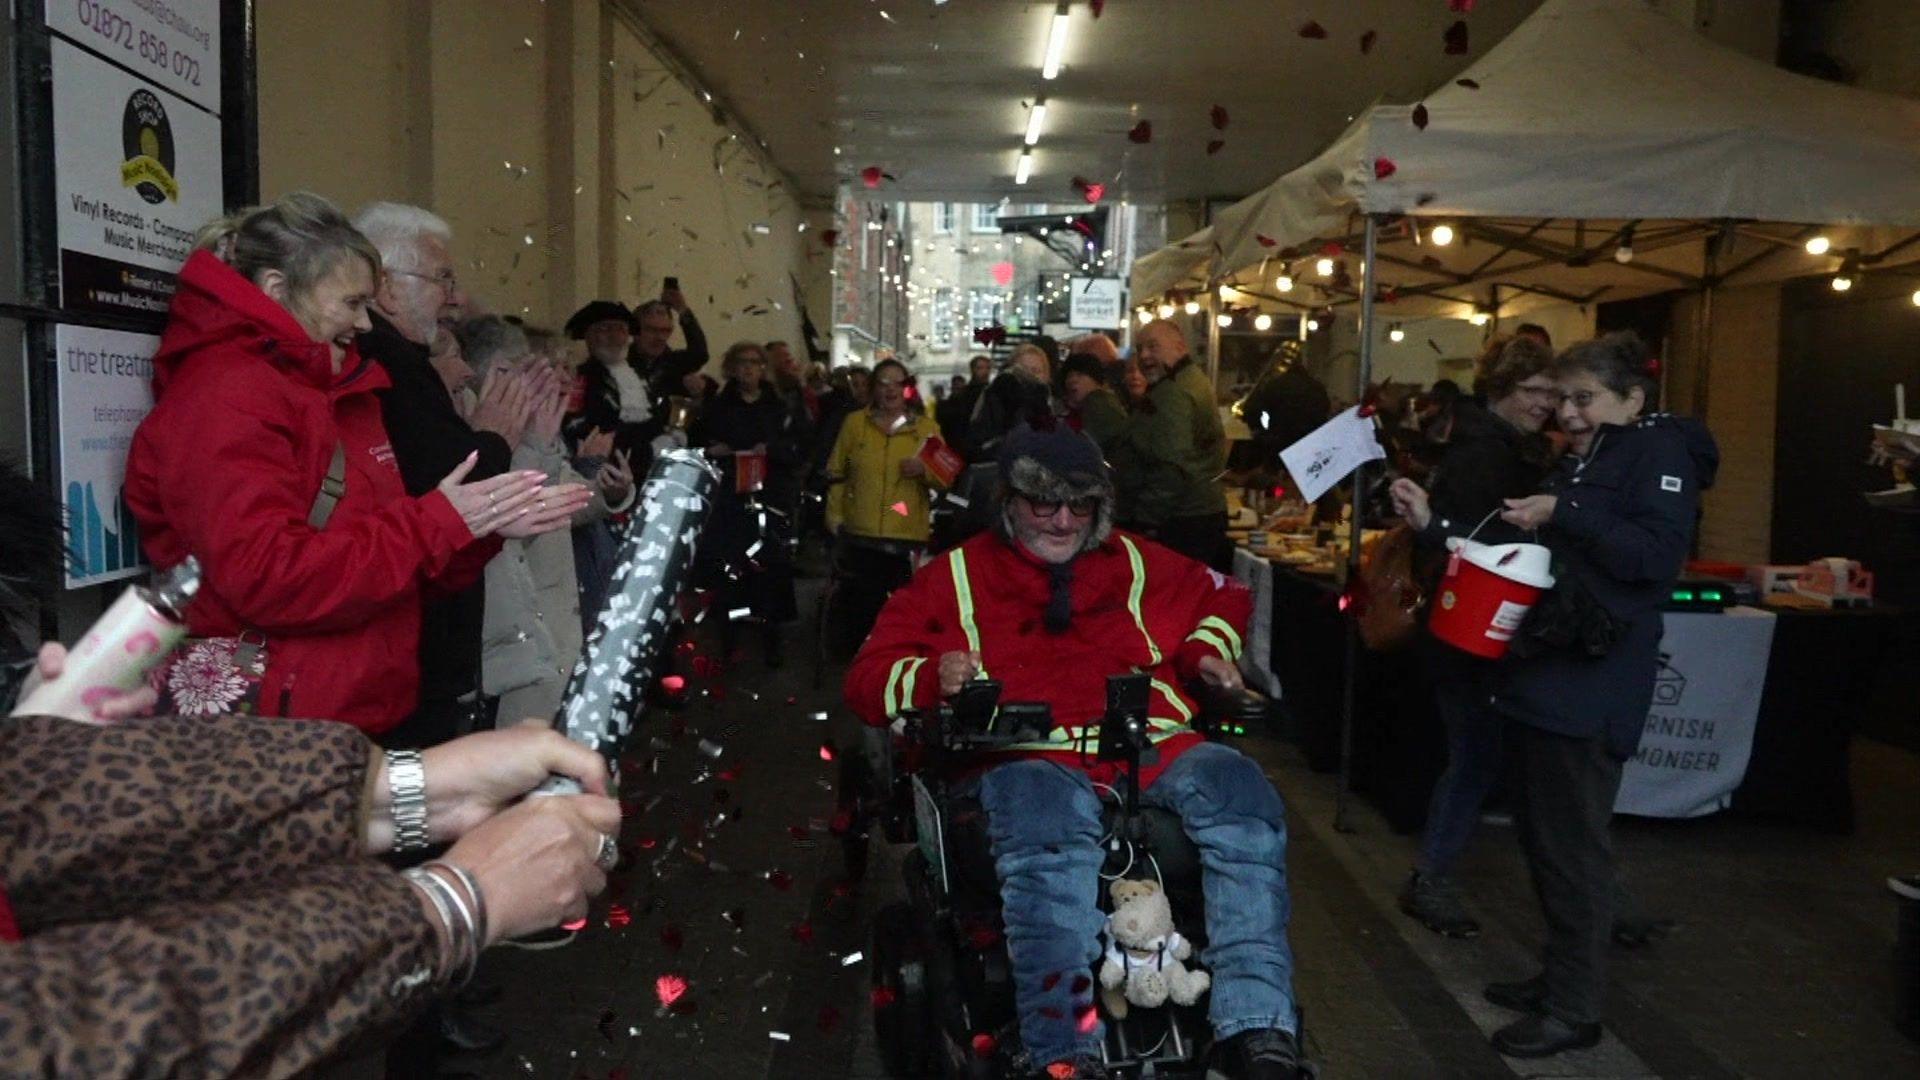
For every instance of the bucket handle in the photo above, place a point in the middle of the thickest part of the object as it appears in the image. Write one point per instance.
(1453, 561)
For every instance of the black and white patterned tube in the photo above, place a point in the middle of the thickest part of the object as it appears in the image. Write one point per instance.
(622, 654)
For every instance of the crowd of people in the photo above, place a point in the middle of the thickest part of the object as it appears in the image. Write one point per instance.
(407, 509)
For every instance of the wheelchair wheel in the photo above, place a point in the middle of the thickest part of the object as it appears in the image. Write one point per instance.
(902, 1015)
(855, 798)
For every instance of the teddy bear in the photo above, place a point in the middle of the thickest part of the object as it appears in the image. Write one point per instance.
(1143, 964)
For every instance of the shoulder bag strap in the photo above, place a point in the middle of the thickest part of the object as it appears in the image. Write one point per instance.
(333, 488)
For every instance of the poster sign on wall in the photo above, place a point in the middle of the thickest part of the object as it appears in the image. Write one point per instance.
(174, 43)
(1706, 698)
(1096, 303)
(103, 379)
(137, 172)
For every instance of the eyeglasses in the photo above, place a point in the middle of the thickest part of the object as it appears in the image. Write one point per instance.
(445, 278)
(1579, 399)
(1082, 507)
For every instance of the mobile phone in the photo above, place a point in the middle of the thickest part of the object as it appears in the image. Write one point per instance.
(673, 284)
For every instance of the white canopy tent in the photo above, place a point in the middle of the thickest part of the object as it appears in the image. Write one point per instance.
(1596, 126)
(1593, 118)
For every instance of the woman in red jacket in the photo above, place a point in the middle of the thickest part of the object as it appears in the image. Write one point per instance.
(265, 457)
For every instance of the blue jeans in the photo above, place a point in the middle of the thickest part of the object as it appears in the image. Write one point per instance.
(1044, 820)
(1474, 762)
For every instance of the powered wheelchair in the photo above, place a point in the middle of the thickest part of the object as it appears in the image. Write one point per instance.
(942, 983)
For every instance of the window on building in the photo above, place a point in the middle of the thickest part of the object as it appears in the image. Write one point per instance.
(983, 307)
(944, 215)
(940, 337)
(986, 217)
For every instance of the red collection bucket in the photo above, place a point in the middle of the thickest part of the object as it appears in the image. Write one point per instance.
(1487, 590)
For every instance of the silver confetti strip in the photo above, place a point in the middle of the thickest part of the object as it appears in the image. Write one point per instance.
(609, 683)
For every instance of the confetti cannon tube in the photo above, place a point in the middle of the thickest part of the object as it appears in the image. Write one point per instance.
(622, 654)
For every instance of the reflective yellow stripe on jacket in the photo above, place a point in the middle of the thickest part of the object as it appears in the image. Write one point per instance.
(1070, 737)
(1219, 633)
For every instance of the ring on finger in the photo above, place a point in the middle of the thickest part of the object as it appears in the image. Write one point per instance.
(609, 854)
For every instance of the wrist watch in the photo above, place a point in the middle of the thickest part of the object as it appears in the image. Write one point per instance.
(407, 783)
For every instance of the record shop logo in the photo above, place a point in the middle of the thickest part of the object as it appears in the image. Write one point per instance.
(146, 137)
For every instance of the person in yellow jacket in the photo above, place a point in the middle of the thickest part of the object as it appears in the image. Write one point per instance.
(878, 487)
(878, 498)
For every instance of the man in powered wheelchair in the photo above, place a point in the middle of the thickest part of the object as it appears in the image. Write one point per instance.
(996, 660)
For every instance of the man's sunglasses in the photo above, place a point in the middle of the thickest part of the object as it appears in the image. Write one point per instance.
(1082, 507)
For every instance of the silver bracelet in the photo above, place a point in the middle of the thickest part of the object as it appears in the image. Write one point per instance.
(427, 885)
(407, 784)
(460, 929)
(473, 894)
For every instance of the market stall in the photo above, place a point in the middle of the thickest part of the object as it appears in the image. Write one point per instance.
(1598, 153)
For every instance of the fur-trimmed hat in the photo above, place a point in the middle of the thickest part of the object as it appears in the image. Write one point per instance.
(1051, 462)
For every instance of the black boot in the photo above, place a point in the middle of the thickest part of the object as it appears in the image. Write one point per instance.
(1543, 1035)
(1261, 1054)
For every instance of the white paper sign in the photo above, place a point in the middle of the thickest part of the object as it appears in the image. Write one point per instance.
(137, 172)
(104, 381)
(1706, 697)
(1331, 453)
(1096, 303)
(174, 43)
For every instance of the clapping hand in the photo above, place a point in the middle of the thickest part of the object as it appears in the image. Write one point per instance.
(505, 407)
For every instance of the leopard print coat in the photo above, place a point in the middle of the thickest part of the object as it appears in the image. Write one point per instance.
(194, 902)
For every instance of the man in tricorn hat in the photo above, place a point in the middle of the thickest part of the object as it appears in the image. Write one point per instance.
(1049, 602)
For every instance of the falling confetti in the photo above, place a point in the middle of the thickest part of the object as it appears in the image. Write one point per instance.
(1141, 132)
(1313, 31)
(1456, 38)
(669, 989)
(827, 750)
(1383, 168)
(899, 508)
(871, 176)
(1420, 117)
(1366, 41)
(852, 959)
(1218, 116)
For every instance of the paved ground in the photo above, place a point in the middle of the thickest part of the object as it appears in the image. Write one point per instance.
(1779, 965)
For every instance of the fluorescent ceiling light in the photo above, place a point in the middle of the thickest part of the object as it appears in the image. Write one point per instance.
(1056, 43)
(1035, 117)
(1025, 167)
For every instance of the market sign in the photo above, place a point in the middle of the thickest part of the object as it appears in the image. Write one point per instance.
(104, 382)
(136, 147)
(1096, 303)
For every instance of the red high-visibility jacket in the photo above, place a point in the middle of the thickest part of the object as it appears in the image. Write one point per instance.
(1137, 606)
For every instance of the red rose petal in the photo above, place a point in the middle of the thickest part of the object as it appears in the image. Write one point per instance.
(827, 750)
(673, 684)
(1215, 145)
(669, 989)
(1468, 83)
(1052, 980)
(984, 1045)
(1313, 31)
(1383, 168)
(842, 821)
(1098, 6)
(802, 932)
(1366, 41)
(1266, 241)
(1420, 117)
(1087, 1019)
(1332, 249)
(1080, 984)
(830, 237)
(1463, 7)
(576, 925)
(884, 997)
(618, 916)
(1456, 39)
(1218, 114)
(871, 175)
(1142, 132)
(1093, 192)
